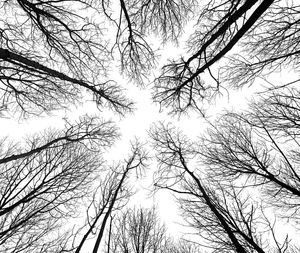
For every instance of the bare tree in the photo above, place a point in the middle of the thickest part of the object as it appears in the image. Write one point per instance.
(164, 19)
(271, 45)
(110, 193)
(54, 52)
(227, 219)
(120, 188)
(50, 52)
(183, 246)
(42, 182)
(264, 32)
(138, 230)
(261, 148)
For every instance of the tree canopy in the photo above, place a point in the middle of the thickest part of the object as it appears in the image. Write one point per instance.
(235, 186)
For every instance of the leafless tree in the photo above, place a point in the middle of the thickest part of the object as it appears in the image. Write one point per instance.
(226, 218)
(265, 34)
(53, 52)
(115, 193)
(271, 45)
(43, 180)
(138, 230)
(260, 147)
(165, 19)
(183, 246)
(50, 52)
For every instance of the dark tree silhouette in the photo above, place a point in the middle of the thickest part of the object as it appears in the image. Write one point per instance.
(43, 180)
(264, 32)
(43, 190)
(165, 19)
(271, 45)
(183, 246)
(226, 218)
(111, 194)
(260, 147)
(58, 53)
(51, 51)
(138, 230)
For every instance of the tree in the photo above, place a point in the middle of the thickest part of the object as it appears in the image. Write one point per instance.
(42, 181)
(54, 54)
(224, 216)
(260, 147)
(49, 54)
(265, 34)
(183, 246)
(110, 195)
(135, 162)
(43, 188)
(51, 51)
(164, 19)
(139, 230)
